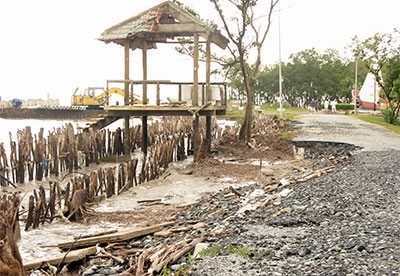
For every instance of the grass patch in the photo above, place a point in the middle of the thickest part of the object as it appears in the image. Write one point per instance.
(289, 113)
(375, 119)
(235, 114)
(287, 135)
(181, 271)
(210, 251)
(244, 251)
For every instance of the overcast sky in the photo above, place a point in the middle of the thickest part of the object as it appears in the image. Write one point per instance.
(51, 47)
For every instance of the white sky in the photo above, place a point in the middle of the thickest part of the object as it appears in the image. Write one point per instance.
(51, 47)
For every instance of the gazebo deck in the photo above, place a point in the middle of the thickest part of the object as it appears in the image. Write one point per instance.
(167, 22)
(164, 110)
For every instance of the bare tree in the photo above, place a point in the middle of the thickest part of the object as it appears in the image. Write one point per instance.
(247, 33)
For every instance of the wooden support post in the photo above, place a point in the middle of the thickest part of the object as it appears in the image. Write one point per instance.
(158, 94)
(208, 132)
(195, 100)
(131, 94)
(208, 70)
(144, 135)
(126, 99)
(180, 92)
(144, 67)
(203, 95)
(225, 99)
(196, 135)
(126, 72)
(127, 140)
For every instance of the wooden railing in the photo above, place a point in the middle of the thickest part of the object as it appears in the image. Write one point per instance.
(217, 93)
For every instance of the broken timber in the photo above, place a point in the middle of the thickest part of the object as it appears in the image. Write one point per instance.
(64, 258)
(114, 237)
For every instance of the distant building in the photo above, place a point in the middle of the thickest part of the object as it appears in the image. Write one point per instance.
(32, 103)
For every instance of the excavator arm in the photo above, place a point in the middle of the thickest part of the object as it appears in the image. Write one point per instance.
(89, 97)
(103, 97)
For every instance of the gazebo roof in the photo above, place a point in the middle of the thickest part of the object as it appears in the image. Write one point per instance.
(159, 24)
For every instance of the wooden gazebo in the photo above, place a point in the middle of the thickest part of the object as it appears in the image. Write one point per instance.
(164, 23)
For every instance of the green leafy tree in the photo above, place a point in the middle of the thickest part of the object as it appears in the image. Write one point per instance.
(380, 54)
(267, 87)
(333, 70)
(302, 75)
(347, 84)
(235, 80)
(309, 74)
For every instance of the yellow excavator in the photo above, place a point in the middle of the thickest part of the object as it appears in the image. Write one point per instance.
(98, 96)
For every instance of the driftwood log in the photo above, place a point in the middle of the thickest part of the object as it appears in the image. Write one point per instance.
(10, 259)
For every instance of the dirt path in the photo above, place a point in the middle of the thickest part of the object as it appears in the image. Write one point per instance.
(345, 129)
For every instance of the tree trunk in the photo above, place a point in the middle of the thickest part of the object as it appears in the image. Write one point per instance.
(245, 129)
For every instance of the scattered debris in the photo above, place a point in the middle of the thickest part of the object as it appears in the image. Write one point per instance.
(150, 248)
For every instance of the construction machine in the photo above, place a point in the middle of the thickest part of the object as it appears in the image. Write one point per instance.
(98, 96)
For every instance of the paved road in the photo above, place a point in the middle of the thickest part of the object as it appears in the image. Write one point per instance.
(346, 129)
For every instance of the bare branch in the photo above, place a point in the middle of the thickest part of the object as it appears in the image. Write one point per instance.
(222, 16)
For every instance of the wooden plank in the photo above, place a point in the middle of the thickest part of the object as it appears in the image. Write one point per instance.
(154, 108)
(141, 81)
(219, 40)
(179, 110)
(216, 37)
(180, 28)
(115, 237)
(166, 82)
(72, 256)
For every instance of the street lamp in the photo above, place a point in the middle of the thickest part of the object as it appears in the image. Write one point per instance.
(280, 65)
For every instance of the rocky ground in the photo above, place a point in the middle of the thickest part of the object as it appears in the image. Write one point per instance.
(342, 223)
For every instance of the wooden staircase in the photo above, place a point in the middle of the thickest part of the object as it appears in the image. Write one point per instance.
(102, 121)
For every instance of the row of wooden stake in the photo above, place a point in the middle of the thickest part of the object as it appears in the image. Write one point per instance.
(69, 202)
(33, 157)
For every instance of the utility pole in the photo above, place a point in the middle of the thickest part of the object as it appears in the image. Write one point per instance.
(355, 77)
(280, 65)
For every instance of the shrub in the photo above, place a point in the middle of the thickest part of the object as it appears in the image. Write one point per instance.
(345, 106)
(389, 115)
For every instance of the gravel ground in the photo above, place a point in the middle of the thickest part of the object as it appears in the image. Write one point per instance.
(345, 129)
(342, 223)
